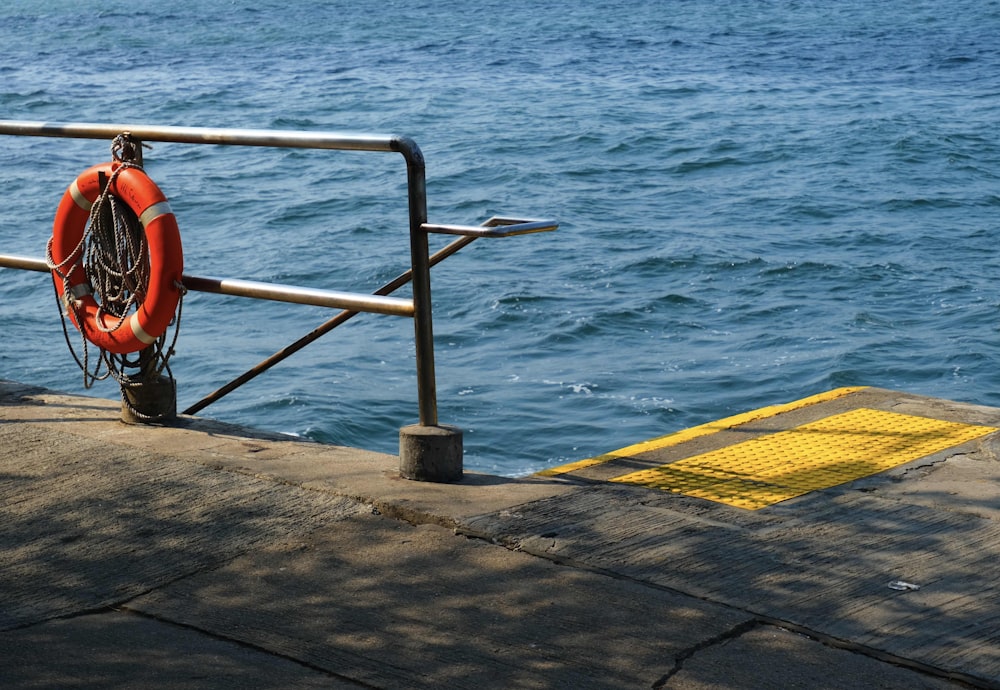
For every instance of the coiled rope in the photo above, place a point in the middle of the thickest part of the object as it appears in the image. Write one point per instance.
(116, 256)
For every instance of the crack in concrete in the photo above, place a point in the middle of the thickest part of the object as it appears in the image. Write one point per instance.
(930, 465)
(733, 633)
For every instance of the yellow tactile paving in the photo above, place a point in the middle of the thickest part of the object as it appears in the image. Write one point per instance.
(685, 435)
(775, 467)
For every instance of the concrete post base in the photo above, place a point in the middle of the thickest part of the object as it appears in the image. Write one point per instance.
(430, 453)
(147, 402)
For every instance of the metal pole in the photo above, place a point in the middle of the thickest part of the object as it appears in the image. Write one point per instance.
(203, 135)
(427, 451)
(420, 265)
(378, 303)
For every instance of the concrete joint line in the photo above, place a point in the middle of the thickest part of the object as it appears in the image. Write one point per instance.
(246, 645)
(114, 606)
(80, 613)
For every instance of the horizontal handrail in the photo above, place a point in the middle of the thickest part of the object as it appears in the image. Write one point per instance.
(374, 304)
(25, 263)
(208, 135)
(494, 227)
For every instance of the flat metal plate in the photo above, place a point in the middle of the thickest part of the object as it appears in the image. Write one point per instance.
(831, 451)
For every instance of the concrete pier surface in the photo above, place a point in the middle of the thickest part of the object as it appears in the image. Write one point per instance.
(204, 555)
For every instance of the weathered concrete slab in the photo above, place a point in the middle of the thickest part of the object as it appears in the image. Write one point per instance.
(88, 524)
(399, 606)
(288, 557)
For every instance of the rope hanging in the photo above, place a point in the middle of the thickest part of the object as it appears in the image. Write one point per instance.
(115, 255)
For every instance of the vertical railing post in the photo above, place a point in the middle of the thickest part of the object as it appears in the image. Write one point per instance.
(427, 451)
(420, 265)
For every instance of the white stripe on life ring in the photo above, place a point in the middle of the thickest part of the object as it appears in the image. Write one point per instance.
(158, 209)
(81, 201)
(138, 330)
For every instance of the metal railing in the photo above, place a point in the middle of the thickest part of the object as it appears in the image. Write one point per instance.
(419, 307)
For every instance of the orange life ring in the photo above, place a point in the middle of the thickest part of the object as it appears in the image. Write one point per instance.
(166, 260)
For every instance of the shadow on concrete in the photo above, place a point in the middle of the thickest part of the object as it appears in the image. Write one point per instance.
(821, 564)
(121, 562)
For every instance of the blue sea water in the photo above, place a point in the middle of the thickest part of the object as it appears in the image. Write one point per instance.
(759, 200)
